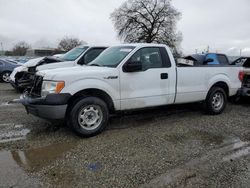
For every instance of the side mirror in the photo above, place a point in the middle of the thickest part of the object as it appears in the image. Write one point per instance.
(209, 60)
(132, 66)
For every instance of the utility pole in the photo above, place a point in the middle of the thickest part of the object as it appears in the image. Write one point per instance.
(240, 52)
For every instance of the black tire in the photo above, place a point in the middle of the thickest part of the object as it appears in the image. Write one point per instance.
(4, 74)
(211, 106)
(75, 121)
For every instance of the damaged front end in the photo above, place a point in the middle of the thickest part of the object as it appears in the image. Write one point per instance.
(23, 80)
(52, 106)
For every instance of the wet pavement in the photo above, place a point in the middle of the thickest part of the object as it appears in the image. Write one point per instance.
(175, 146)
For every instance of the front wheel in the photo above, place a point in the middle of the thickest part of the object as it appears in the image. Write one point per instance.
(6, 76)
(88, 116)
(216, 101)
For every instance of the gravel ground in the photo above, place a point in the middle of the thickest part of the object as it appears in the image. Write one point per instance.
(175, 146)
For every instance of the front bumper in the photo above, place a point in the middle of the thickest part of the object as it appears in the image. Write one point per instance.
(52, 107)
(244, 91)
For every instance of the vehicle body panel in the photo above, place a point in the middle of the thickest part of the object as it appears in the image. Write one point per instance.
(194, 82)
(56, 65)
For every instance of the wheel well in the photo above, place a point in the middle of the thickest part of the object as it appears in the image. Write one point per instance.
(222, 85)
(94, 93)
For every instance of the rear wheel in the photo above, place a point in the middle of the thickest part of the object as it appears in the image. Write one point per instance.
(5, 76)
(88, 116)
(216, 101)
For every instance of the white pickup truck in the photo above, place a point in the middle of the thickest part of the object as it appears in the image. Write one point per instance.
(126, 77)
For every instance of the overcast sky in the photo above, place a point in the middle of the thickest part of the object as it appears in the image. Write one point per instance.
(224, 25)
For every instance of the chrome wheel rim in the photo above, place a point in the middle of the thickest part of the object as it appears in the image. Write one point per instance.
(90, 117)
(6, 77)
(218, 101)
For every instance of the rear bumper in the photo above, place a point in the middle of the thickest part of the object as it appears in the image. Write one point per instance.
(244, 91)
(52, 107)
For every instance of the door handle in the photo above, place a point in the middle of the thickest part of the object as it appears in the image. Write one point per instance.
(164, 76)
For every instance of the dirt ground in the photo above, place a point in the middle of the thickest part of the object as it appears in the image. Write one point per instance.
(175, 146)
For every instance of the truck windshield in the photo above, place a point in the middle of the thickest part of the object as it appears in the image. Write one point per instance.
(112, 57)
(73, 54)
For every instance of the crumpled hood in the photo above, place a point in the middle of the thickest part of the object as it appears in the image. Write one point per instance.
(33, 62)
(42, 61)
(56, 65)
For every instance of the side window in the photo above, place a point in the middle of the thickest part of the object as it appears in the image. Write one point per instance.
(214, 58)
(149, 57)
(90, 55)
(222, 59)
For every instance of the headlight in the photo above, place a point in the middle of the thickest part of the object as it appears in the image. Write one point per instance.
(49, 87)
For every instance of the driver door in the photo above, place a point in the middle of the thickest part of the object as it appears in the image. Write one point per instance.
(148, 86)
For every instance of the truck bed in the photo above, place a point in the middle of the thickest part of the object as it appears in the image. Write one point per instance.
(193, 82)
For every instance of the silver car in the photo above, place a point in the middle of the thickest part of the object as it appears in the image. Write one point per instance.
(6, 68)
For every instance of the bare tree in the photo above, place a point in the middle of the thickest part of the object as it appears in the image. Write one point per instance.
(20, 48)
(150, 21)
(68, 43)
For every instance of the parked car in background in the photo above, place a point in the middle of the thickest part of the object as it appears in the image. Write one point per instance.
(13, 61)
(244, 76)
(6, 68)
(22, 77)
(127, 77)
(242, 61)
(204, 59)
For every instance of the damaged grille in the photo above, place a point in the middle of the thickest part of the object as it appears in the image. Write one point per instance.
(37, 87)
(24, 80)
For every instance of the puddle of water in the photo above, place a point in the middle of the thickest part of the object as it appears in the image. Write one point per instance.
(206, 138)
(13, 175)
(18, 163)
(238, 154)
(240, 149)
(36, 158)
(220, 154)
